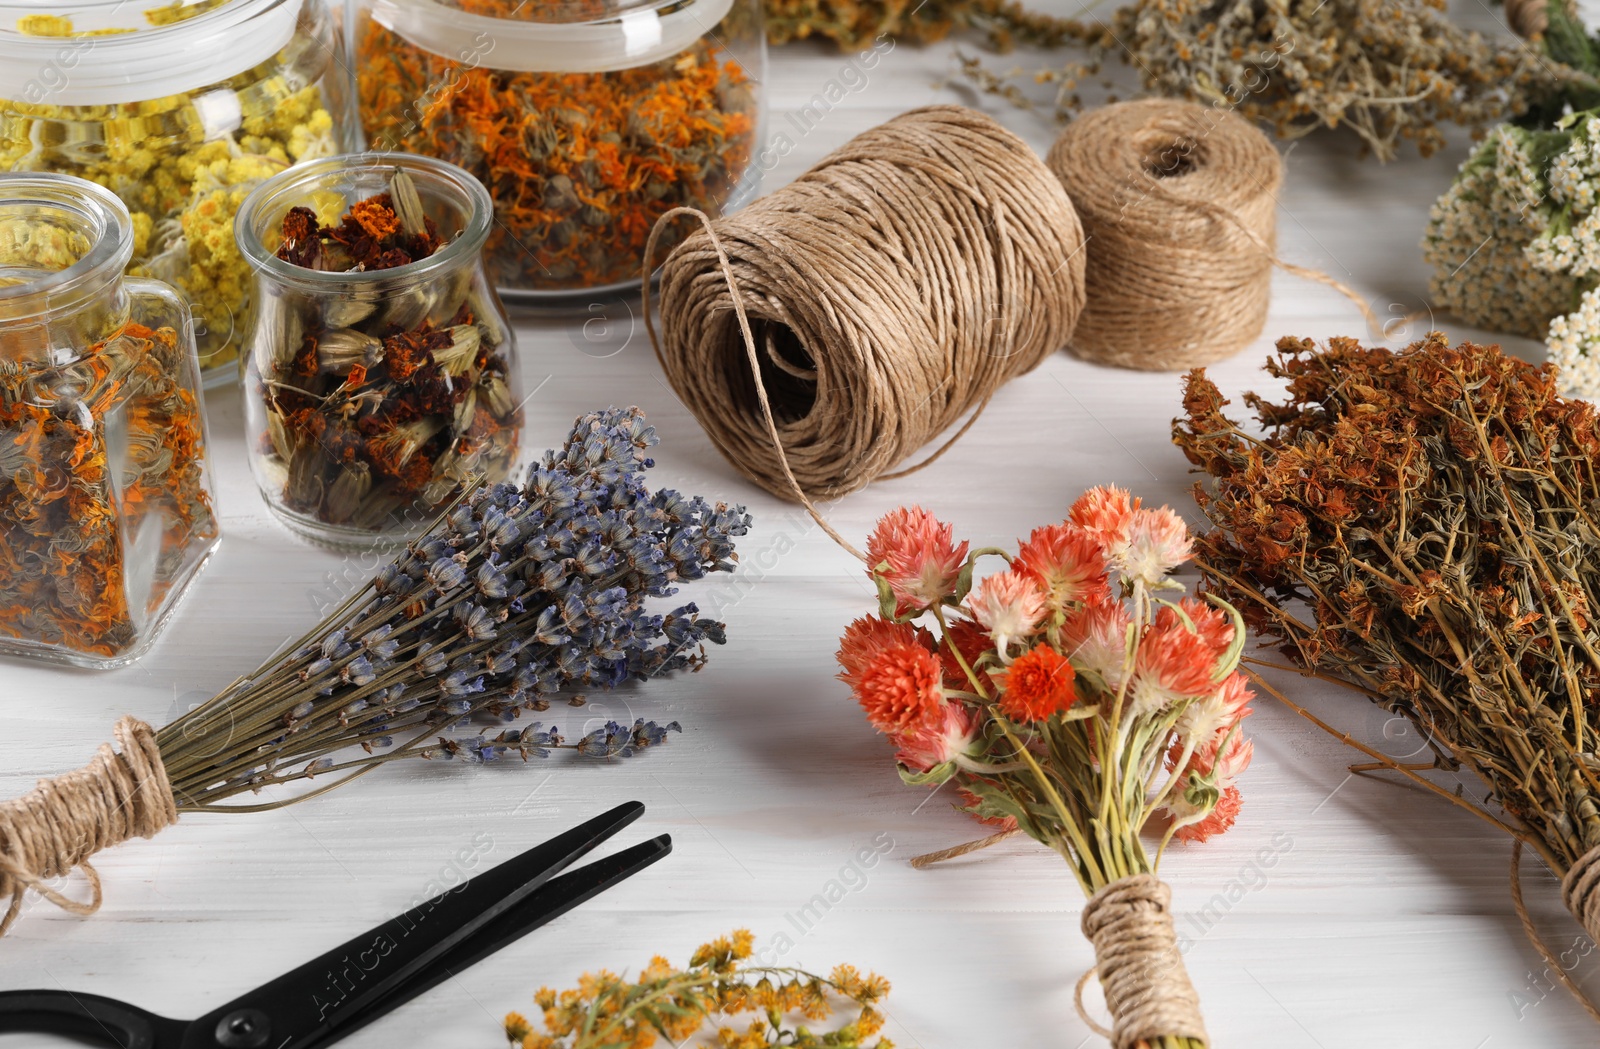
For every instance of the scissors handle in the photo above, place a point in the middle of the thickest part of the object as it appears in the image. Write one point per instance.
(87, 1018)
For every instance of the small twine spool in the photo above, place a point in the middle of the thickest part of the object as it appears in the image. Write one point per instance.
(1528, 18)
(58, 825)
(1147, 988)
(1179, 205)
(828, 331)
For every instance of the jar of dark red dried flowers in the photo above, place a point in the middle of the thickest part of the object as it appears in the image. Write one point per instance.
(586, 119)
(106, 506)
(180, 107)
(380, 371)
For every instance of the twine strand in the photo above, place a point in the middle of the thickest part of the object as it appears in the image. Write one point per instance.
(870, 305)
(1147, 988)
(57, 826)
(928, 859)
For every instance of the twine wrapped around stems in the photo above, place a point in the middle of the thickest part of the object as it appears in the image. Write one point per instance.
(56, 827)
(1147, 988)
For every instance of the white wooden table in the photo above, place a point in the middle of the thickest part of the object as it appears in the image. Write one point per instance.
(1341, 911)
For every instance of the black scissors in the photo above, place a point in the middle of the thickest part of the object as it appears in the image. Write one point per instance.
(352, 985)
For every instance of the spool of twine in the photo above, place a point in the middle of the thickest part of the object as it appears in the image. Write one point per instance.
(887, 292)
(1179, 205)
(1141, 970)
(1528, 18)
(57, 826)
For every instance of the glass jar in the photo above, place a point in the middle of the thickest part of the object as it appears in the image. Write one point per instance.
(372, 397)
(587, 120)
(106, 502)
(180, 109)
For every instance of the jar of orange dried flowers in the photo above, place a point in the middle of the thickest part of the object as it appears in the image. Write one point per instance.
(380, 371)
(586, 119)
(106, 509)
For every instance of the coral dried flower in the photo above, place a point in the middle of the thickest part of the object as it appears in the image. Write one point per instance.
(1067, 561)
(916, 554)
(938, 739)
(1038, 684)
(895, 676)
(1010, 606)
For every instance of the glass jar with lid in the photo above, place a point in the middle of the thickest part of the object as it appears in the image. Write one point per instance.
(586, 119)
(380, 375)
(180, 108)
(106, 504)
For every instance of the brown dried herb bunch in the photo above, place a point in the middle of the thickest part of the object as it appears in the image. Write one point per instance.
(857, 23)
(1424, 526)
(1391, 70)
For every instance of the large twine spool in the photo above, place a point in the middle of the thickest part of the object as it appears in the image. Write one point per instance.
(888, 291)
(56, 827)
(1179, 205)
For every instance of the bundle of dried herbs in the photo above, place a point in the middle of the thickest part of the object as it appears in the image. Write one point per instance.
(1421, 526)
(852, 24)
(1393, 71)
(104, 505)
(580, 165)
(517, 594)
(375, 415)
(608, 1011)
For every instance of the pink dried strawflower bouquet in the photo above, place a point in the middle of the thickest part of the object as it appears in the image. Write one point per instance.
(1077, 696)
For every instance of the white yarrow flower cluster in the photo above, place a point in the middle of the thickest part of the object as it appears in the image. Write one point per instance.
(1515, 243)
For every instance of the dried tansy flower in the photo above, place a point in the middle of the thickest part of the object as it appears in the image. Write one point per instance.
(1420, 526)
(580, 165)
(664, 1002)
(180, 168)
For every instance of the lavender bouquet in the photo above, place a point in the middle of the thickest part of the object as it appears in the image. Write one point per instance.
(514, 595)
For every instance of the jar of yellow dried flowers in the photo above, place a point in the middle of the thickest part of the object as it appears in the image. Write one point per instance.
(380, 370)
(180, 108)
(106, 509)
(587, 120)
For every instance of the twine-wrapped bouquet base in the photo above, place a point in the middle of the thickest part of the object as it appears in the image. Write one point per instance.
(1147, 989)
(55, 828)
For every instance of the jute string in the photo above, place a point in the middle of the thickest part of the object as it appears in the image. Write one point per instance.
(830, 330)
(63, 821)
(1179, 207)
(1146, 985)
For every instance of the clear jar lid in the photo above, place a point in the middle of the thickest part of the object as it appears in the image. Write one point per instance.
(114, 52)
(527, 36)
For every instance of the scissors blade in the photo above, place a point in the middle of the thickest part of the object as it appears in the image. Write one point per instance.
(87, 1018)
(299, 1008)
(547, 904)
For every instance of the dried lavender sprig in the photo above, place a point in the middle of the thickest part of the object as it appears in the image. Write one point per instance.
(514, 595)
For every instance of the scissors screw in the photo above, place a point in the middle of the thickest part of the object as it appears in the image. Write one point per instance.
(244, 1029)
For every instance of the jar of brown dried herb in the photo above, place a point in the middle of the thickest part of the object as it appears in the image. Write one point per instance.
(106, 505)
(380, 371)
(586, 119)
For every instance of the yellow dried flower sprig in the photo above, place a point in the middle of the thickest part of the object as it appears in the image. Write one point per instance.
(608, 1011)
